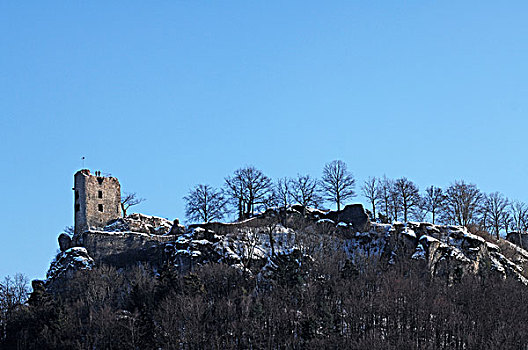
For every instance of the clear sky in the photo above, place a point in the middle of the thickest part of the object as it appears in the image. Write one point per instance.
(168, 94)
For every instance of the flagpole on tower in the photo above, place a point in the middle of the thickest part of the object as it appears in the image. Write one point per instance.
(83, 158)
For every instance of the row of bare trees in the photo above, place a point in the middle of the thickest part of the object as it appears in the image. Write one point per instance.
(460, 204)
(249, 190)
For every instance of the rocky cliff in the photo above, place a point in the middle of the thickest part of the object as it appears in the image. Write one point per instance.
(448, 252)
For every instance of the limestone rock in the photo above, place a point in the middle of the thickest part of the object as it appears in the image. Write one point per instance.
(518, 238)
(140, 223)
(122, 249)
(448, 252)
(65, 242)
(354, 215)
(148, 224)
(68, 262)
(177, 229)
(117, 225)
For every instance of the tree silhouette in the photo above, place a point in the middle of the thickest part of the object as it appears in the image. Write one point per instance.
(337, 183)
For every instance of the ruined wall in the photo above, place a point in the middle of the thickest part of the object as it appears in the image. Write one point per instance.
(520, 239)
(97, 200)
(122, 249)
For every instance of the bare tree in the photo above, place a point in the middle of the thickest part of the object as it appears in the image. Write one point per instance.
(507, 219)
(337, 183)
(519, 218)
(270, 200)
(384, 191)
(462, 203)
(205, 203)
(371, 191)
(395, 200)
(248, 187)
(419, 212)
(433, 201)
(483, 214)
(409, 195)
(304, 190)
(271, 223)
(495, 205)
(248, 239)
(129, 200)
(13, 294)
(282, 192)
(519, 212)
(235, 188)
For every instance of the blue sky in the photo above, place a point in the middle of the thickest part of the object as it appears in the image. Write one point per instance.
(168, 94)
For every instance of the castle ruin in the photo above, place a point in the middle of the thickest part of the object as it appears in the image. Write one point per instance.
(97, 200)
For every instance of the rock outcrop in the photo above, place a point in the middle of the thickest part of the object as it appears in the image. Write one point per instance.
(140, 223)
(123, 248)
(123, 242)
(65, 242)
(68, 262)
(449, 252)
(518, 238)
(353, 215)
(134, 239)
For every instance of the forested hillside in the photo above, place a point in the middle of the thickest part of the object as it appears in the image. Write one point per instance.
(326, 301)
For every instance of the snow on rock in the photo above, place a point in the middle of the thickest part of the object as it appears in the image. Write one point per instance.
(68, 262)
(262, 242)
(449, 251)
(419, 254)
(144, 224)
(492, 247)
(428, 239)
(239, 244)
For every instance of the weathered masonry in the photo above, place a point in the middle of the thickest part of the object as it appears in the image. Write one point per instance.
(97, 200)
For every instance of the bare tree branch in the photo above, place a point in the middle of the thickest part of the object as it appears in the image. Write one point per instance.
(337, 183)
(305, 191)
(370, 190)
(248, 188)
(129, 200)
(205, 203)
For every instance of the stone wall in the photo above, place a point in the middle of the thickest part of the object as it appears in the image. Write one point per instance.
(520, 239)
(97, 200)
(353, 215)
(121, 249)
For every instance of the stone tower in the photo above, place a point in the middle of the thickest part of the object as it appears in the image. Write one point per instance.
(97, 200)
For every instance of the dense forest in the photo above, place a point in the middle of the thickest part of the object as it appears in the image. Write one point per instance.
(324, 301)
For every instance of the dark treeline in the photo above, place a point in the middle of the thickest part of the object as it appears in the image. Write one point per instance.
(324, 302)
(249, 190)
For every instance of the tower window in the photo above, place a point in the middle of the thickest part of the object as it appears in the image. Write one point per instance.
(100, 194)
(76, 195)
(100, 207)
(77, 207)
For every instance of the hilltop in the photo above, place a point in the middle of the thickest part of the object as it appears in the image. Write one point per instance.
(449, 252)
(298, 276)
(292, 276)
